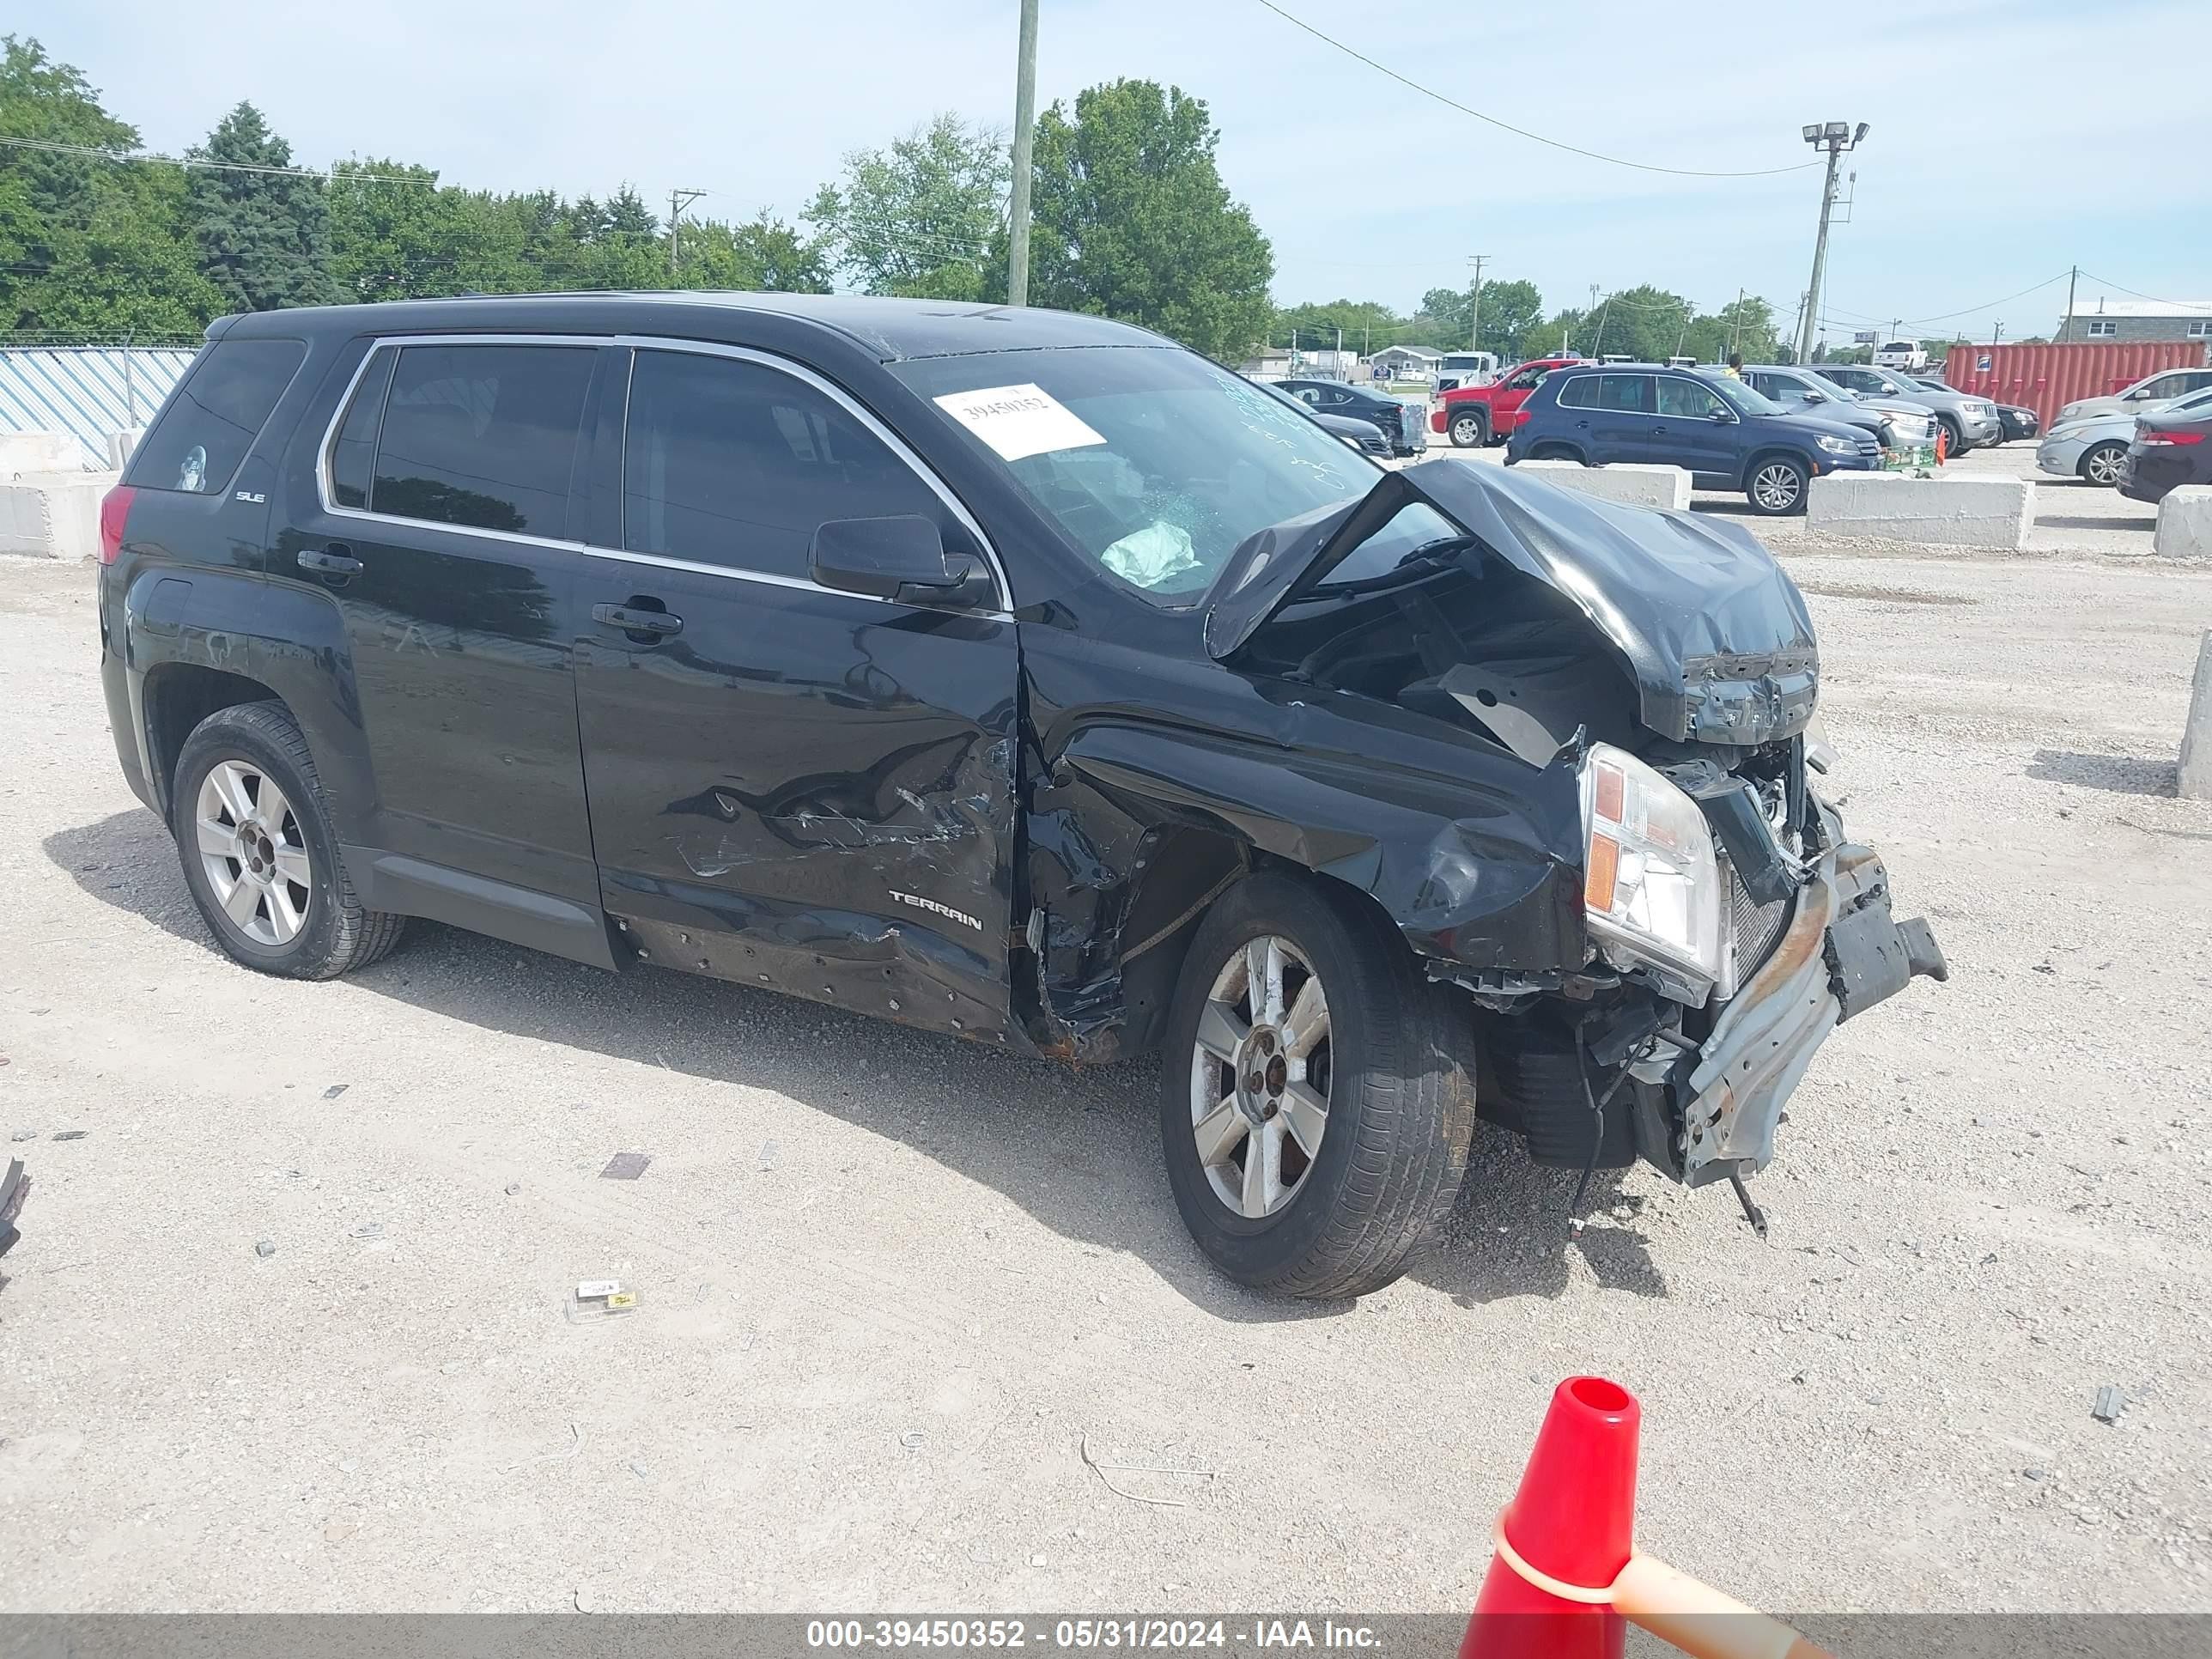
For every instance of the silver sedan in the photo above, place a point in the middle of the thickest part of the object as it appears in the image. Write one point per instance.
(2092, 447)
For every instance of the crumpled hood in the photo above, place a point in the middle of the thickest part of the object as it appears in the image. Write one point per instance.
(1714, 635)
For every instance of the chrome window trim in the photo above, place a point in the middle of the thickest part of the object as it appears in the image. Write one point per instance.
(655, 343)
(837, 395)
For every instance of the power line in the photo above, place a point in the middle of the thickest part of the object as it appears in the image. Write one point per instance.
(1523, 132)
(191, 164)
(1946, 316)
(2181, 305)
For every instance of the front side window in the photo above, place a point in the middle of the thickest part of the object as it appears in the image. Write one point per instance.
(204, 432)
(1687, 400)
(734, 464)
(1153, 463)
(481, 436)
(1526, 379)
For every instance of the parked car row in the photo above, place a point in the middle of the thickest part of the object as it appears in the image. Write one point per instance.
(1724, 432)
(1399, 420)
(2095, 447)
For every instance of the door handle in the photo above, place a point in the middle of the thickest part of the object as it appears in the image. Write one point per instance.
(657, 623)
(336, 560)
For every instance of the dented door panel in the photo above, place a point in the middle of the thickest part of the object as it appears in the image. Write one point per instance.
(807, 789)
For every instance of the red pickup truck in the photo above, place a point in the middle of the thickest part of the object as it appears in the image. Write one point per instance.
(1473, 415)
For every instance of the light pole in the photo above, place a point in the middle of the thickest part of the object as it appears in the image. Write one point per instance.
(1835, 137)
(1475, 303)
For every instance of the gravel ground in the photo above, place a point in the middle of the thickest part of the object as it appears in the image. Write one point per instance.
(892, 1286)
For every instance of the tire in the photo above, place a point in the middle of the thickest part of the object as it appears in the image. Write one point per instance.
(304, 921)
(2100, 464)
(1354, 1207)
(1956, 443)
(1776, 486)
(1470, 429)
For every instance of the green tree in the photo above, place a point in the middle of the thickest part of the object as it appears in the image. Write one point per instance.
(763, 256)
(1368, 325)
(922, 217)
(263, 238)
(1131, 220)
(87, 247)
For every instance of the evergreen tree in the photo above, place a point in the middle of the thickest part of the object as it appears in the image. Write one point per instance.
(263, 238)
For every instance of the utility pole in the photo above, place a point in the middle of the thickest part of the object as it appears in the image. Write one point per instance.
(1835, 137)
(1735, 323)
(1474, 304)
(677, 201)
(2066, 328)
(1017, 211)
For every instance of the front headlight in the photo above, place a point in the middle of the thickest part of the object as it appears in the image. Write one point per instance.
(1838, 445)
(1651, 890)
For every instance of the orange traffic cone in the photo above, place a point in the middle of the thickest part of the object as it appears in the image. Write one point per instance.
(1567, 1572)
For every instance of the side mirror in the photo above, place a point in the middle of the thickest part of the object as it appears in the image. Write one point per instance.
(1816, 396)
(1722, 417)
(882, 557)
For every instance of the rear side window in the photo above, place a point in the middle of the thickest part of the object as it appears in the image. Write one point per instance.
(353, 453)
(1625, 392)
(734, 464)
(480, 435)
(1580, 393)
(201, 437)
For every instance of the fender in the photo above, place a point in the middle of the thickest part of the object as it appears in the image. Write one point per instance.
(1478, 865)
(288, 638)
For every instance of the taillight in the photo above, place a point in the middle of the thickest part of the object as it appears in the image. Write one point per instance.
(2171, 438)
(114, 514)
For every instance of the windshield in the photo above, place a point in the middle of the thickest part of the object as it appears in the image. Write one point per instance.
(1155, 462)
(1897, 383)
(1746, 400)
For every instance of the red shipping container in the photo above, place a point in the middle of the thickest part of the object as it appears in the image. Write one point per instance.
(2046, 378)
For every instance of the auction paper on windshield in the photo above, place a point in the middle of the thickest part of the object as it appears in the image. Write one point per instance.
(1018, 420)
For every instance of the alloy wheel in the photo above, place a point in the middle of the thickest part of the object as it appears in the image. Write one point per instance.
(1776, 486)
(253, 853)
(2102, 465)
(1260, 1077)
(1467, 432)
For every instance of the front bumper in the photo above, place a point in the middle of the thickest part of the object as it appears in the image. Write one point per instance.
(1979, 432)
(2060, 456)
(1841, 953)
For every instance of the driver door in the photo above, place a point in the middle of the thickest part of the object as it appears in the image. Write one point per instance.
(789, 786)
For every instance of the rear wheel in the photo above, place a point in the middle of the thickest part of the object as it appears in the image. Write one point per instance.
(2100, 464)
(259, 853)
(1470, 429)
(1315, 1107)
(1776, 486)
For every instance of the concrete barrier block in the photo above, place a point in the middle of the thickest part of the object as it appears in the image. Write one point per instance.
(122, 444)
(1630, 485)
(22, 453)
(2197, 736)
(1953, 511)
(53, 515)
(2184, 523)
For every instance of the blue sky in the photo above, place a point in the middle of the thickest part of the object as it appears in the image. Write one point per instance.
(2008, 141)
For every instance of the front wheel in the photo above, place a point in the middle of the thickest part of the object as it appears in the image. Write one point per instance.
(1316, 1106)
(1954, 437)
(1470, 431)
(2103, 462)
(1776, 486)
(259, 854)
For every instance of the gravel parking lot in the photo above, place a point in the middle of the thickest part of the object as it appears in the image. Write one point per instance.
(895, 1288)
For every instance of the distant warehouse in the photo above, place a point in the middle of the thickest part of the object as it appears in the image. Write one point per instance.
(2130, 322)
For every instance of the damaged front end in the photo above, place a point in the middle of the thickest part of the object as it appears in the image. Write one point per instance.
(1664, 668)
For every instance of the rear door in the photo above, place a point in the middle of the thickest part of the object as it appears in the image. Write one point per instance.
(437, 519)
(1620, 425)
(789, 786)
(1684, 429)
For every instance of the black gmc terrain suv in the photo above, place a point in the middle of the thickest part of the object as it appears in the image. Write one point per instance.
(1015, 675)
